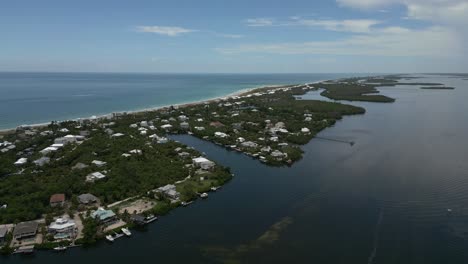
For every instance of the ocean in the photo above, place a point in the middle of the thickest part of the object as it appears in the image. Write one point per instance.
(32, 98)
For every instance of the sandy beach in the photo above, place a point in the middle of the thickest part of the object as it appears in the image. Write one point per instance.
(152, 109)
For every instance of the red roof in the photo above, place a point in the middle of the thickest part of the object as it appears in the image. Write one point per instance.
(57, 198)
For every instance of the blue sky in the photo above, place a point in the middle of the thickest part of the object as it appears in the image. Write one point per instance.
(235, 36)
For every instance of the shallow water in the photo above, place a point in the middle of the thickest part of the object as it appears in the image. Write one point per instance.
(383, 200)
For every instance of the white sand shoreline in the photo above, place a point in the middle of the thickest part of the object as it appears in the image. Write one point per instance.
(151, 109)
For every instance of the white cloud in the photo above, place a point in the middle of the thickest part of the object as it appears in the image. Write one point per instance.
(233, 36)
(162, 30)
(445, 11)
(347, 25)
(259, 22)
(392, 41)
(350, 25)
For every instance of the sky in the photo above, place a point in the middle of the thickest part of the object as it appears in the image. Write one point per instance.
(242, 36)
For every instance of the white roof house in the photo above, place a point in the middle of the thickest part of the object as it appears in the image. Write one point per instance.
(21, 161)
(62, 225)
(305, 130)
(118, 135)
(220, 134)
(48, 150)
(166, 126)
(249, 144)
(99, 163)
(203, 163)
(94, 176)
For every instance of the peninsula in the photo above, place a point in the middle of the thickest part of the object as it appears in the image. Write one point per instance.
(71, 183)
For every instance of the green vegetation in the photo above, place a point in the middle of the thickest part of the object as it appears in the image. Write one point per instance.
(353, 91)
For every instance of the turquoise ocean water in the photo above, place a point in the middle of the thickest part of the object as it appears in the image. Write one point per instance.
(32, 98)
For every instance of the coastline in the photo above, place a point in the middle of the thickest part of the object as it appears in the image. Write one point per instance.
(156, 108)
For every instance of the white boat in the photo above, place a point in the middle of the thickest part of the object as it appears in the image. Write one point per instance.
(186, 203)
(126, 231)
(204, 195)
(60, 248)
(110, 238)
(150, 218)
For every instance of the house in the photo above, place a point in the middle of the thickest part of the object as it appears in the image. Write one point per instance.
(87, 199)
(68, 139)
(63, 228)
(21, 162)
(94, 176)
(170, 191)
(216, 124)
(144, 123)
(42, 161)
(99, 163)
(305, 130)
(184, 125)
(79, 166)
(57, 200)
(25, 230)
(166, 126)
(221, 135)
(138, 219)
(183, 118)
(48, 150)
(203, 163)
(240, 140)
(106, 217)
(278, 154)
(116, 135)
(249, 144)
(3, 233)
(136, 151)
(199, 128)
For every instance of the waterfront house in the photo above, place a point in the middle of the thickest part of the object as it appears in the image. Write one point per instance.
(63, 228)
(138, 219)
(87, 199)
(203, 163)
(166, 126)
(25, 230)
(105, 217)
(221, 135)
(57, 200)
(3, 233)
(249, 144)
(199, 128)
(170, 191)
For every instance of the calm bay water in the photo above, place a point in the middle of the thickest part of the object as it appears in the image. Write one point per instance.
(31, 98)
(383, 200)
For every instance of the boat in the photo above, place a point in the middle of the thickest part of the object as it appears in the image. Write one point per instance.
(110, 238)
(150, 218)
(204, 195)
(60, 248)
(126, 231)
(214, 189)
(186, 203)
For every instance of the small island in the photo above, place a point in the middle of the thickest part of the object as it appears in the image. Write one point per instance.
(437, 88)
(72, 183)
